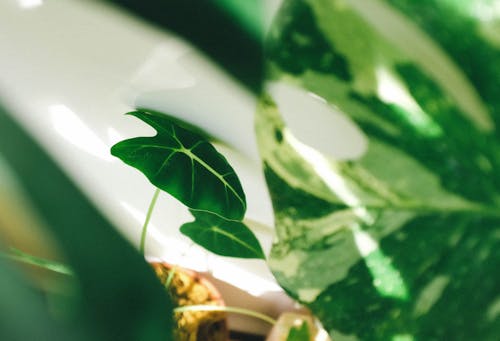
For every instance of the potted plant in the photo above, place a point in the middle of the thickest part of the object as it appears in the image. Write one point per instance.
(185, 164)
(385, 244)
(398, 241)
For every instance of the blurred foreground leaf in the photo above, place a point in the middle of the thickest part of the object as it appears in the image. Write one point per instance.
(24, 315)
(299, 333)
(121, 299)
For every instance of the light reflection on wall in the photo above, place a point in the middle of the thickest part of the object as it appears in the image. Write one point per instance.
(114, 136)
(76, 132)
(193, 257)
(29, 4)
(242, 279)
(175, 247)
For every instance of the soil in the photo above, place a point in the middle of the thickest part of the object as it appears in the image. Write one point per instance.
(189, 288)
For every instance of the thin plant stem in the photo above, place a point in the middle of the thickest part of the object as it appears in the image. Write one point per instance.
(142, 246)
(170, 277)
(20, 256)
(234, 310)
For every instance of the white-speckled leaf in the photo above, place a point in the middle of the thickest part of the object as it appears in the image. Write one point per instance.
(404, 242)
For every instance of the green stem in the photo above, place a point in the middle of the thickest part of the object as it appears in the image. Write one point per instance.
(148, 218)
(235, 310)
(19, 256)
(170, 277)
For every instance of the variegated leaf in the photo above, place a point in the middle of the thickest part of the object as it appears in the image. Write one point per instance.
(402, 243)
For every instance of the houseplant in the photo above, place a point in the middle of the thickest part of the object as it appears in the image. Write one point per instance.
(114, 295)
(403, 244)
(391, 243)
(185, 165)
(223, 236)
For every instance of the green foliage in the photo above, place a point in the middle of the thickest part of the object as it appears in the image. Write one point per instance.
(404, 244)
(300, 333)
(185, 165)
(24, 315)
(25, 258)
(117, 296)
(223, 237)
(302, 46)
(248, 14)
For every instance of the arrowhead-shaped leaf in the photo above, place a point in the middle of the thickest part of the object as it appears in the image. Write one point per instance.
(223, 237)
(402, 243)
(185, 165)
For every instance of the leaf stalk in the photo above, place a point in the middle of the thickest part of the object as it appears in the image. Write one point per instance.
(235, 310)
(142, 246)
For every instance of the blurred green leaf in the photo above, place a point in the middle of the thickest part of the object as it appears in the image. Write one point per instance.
(406, 235)
(19, 256)
(248, 13)
(121, 299)
(299, 333)
(24, 315)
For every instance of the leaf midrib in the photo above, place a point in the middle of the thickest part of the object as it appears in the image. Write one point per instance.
(395, 201)
(218, 230)
(215, 173)
(190, 154)
(420, 208)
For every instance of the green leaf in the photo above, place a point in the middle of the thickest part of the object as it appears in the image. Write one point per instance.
(119, 296)
(249, 14)
(18, 255)
(403, 242)
(223, 237)
(299, 333)
(23, 312)
(185, 165)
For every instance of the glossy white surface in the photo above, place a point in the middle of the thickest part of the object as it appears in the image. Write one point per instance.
(70, 69)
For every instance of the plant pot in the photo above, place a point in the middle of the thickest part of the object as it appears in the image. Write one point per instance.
(188, 288)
